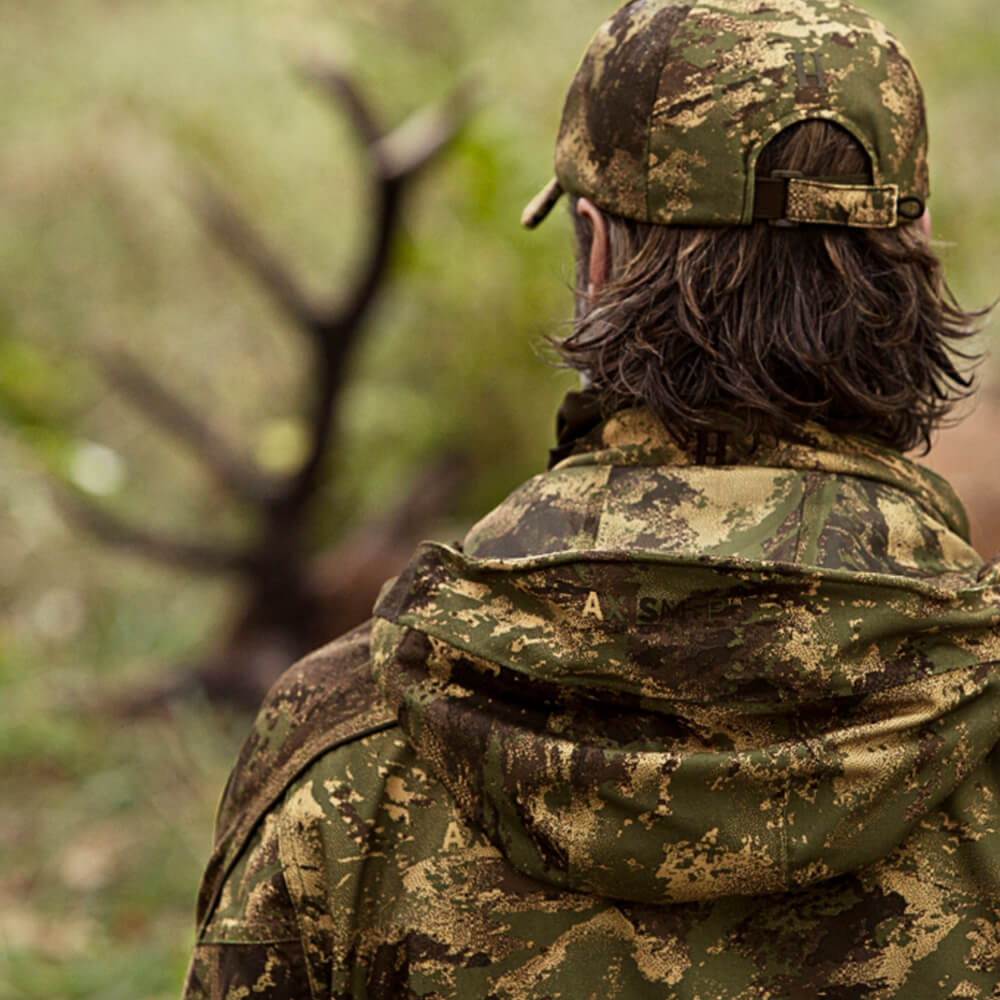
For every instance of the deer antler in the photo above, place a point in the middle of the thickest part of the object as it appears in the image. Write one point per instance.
(394, 159)
(332, 329)
(274, 561)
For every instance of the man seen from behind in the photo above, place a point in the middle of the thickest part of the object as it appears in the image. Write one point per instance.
(711, 708)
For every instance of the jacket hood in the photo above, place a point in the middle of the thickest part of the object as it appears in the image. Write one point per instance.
(662, 681)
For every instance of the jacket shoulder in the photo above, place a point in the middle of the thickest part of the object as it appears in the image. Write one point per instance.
(323, 701)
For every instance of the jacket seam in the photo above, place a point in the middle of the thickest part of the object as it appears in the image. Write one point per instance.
(291, 872)
(213, 942)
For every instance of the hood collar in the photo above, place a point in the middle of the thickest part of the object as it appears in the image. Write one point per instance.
(634, 436)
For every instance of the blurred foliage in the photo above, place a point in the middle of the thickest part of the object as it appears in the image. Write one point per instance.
(104, 827)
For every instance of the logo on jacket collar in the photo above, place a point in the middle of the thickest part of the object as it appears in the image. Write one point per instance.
(648, 610)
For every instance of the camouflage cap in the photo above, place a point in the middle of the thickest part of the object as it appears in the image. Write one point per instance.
(674, 101)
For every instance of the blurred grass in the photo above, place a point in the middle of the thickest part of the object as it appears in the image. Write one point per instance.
(104, 826)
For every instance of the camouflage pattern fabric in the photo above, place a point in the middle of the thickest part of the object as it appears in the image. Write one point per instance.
(674, 101)
(694, 723)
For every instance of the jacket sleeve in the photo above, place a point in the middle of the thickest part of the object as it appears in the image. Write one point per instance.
(248, 942)
(250, 946)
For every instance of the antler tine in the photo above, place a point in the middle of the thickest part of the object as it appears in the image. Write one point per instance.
(340, 88)
(409, 146)
(395, 158)
(159, 403)
(234, 231)
(111, 530)
(334, 328)
(422, 136)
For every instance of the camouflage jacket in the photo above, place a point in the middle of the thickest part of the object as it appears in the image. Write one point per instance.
(708, 725)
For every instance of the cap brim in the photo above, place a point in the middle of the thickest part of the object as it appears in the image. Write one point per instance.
(541, 204)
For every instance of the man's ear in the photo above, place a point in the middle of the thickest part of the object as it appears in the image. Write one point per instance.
(924, 223)
(597, 263)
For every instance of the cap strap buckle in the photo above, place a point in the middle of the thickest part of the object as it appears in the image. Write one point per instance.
(779, 197)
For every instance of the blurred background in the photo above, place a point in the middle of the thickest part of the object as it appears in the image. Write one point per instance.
(106, 811)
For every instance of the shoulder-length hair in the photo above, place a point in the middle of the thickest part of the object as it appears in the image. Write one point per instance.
(853, 329)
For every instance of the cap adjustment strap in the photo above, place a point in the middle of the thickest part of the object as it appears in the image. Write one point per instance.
(859, 205)
(788, 198)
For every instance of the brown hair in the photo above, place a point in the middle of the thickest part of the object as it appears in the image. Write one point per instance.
(853, 329)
